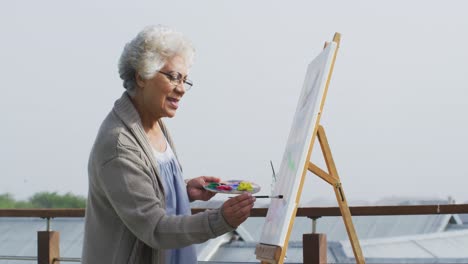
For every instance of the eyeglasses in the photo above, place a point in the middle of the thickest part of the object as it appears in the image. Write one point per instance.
(176, 79)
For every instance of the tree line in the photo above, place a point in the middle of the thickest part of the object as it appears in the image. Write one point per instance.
(43, 200)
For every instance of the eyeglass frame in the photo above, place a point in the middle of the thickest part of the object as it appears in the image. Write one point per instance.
(179, 80)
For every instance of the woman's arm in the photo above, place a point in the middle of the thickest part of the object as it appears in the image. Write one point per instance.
(128, 186)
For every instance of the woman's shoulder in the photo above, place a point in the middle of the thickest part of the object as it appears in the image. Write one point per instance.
(113, 139)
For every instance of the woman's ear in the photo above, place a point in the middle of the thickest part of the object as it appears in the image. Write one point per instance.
(139, 80)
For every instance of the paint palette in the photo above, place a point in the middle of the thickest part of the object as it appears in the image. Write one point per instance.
(232, 187)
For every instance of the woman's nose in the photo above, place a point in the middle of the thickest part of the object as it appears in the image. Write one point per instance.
(180, 87)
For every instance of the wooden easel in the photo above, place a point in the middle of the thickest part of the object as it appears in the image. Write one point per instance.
(334, 180)
(276, 254)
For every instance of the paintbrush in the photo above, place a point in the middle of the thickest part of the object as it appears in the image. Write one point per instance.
(269, 196)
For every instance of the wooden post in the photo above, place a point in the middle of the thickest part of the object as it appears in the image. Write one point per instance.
(48, 250)
(314, 248)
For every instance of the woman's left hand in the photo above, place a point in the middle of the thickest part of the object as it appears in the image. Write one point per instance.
(195, 190)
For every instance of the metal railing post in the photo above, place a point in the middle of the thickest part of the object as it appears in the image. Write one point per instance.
(314, 224)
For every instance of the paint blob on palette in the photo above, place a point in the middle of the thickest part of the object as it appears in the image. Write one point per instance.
(232, 187)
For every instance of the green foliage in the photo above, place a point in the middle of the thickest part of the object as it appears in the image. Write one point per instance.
(44, 200)
(7, 201)
(23, 205)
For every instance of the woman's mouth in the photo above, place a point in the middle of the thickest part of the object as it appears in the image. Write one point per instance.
(173, 102)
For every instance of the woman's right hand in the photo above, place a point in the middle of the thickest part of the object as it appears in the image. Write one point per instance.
(237, 209)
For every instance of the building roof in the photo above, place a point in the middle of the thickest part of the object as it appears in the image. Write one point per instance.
(441, 245)
(18, 236)
(366, 226)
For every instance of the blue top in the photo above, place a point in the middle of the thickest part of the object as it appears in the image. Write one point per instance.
(177, 201)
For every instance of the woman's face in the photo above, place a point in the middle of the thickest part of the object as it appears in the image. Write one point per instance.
(160, 97)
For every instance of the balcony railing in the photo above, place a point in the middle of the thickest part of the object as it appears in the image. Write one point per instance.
(48, 246)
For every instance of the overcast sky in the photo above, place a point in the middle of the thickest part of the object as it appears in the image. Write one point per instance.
(396, 115)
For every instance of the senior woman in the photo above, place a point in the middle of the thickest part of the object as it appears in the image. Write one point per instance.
(138, 203)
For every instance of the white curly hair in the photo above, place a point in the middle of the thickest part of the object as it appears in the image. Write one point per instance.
(149, 51)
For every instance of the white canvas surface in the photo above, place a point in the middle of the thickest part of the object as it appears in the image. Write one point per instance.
(280, 212)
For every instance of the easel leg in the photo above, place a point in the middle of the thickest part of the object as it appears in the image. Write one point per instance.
(346, 214)
(334, 180)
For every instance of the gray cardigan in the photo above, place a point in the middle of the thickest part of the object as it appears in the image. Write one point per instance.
(125, 216)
